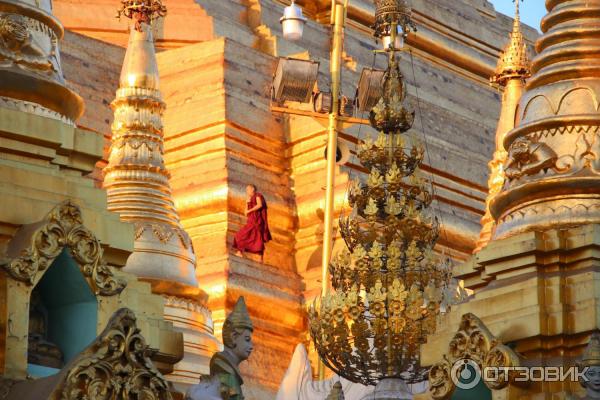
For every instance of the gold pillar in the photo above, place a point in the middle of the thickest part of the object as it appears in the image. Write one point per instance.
(339, 16)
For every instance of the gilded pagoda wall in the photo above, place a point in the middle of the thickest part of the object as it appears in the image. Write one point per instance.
(216, 66)
(229, 131)
(187, 23)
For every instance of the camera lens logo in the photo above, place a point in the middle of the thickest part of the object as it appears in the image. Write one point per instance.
(465, 374)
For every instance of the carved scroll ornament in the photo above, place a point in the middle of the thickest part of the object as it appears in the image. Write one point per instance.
(63, 228)
(475, 343)
(528, 157)
(115, 366)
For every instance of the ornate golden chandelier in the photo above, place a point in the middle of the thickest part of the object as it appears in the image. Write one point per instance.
(388, 285)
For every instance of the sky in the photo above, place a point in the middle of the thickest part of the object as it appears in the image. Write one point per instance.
(532, 11)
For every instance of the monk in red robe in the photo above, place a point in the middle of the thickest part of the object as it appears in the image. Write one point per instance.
(253, 236)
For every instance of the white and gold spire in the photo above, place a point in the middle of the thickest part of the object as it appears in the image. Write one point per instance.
(514, 67)
(136, 179)
(137, 184)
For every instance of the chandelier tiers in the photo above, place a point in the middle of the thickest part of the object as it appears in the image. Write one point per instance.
(388, 285)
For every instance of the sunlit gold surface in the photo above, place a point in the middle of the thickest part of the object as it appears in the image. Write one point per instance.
(552, 160)
(514, 67)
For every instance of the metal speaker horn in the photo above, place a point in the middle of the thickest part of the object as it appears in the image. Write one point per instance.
(346, 107)
(342, 153)
(294, 80)
(323, 102)
(370, 89)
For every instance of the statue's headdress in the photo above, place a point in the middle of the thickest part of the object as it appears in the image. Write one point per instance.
(591, 354)
(238, 319)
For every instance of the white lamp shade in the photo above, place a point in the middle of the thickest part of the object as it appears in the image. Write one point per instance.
(292, 22)
(292, 29)
(386, 40)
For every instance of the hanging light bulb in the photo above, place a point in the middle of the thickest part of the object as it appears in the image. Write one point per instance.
(387, 40)
(292, 22)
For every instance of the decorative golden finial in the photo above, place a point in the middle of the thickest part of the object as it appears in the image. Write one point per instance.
(514, 62)
(375, 332)
(142, 11)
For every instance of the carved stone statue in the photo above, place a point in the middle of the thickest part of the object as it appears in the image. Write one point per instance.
(41, 351)
(591, 360)
(224, 365)
(526, 157)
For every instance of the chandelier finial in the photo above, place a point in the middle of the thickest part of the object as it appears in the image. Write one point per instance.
(142, 11)
(393, 12)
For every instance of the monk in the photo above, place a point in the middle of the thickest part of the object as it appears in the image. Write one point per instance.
(253, 236)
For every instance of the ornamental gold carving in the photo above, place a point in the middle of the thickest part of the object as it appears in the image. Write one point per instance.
(164, 233)
(117, 365)
(474, 342)
(528, 157)
(28, 43)
(63, 228)
(561, 151)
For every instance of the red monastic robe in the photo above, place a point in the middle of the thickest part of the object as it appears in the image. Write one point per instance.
(253, 236)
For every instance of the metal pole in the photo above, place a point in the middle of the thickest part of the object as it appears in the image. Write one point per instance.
(338, 17)
(335, 64)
